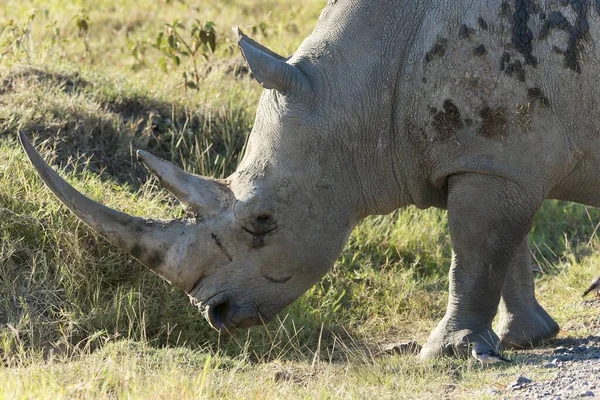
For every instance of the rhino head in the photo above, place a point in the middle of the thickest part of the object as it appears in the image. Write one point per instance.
(258, 239)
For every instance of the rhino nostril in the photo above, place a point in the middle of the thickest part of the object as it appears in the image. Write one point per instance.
(218, 315)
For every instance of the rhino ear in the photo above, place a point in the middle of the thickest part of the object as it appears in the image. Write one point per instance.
(269, 68)
(198, 194)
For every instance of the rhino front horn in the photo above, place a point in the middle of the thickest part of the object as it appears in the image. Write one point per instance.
(198, 194)
(270, 69)
(149, 241)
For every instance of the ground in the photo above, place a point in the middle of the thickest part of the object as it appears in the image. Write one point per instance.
(91, 82)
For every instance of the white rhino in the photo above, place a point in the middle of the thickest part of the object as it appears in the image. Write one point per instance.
(485, 108)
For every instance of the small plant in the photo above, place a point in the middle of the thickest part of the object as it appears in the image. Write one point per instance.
(56, 38)
(82, 21)
(16, 38)
(181, 48)
(138, 49)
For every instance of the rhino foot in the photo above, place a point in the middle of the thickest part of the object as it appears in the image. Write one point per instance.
(523, 322)
(448, 340)
(526, 328)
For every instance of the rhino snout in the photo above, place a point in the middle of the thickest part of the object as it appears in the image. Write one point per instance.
(223, 314)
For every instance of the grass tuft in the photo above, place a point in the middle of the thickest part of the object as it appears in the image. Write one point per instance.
(80, 319)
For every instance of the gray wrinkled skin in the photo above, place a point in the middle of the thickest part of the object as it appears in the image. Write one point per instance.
(485, 108)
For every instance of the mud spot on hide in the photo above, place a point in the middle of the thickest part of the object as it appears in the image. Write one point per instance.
(522, 37)
(154, 260)
(505, 9)
(137, 251)
(516, 69)
(437, 51)
(464, 32)
(220, 246)
(448, 121)
(504, 60)
(493, 124)
(577, 31)
(479, 50)
(536, 95)
(482, 23)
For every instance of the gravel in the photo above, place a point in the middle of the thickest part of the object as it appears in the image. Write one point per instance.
(577, 373)
(574, 365)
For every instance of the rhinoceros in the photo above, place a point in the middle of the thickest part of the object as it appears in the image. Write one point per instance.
(484, 108)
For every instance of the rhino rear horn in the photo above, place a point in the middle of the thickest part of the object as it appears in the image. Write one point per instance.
(198, 194)
(147, 240)
(269, 68)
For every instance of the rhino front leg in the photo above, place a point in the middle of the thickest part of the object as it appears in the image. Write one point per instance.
(489, 217)
(523, 321)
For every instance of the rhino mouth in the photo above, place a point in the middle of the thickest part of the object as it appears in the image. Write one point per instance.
(226, 316)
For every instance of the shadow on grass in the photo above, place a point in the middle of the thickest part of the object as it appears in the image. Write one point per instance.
(78, 117)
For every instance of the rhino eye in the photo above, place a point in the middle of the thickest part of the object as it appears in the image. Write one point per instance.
(263, 224)
(263, 218)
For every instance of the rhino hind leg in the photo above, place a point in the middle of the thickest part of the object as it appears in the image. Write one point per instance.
(489, 217)
(523, 321)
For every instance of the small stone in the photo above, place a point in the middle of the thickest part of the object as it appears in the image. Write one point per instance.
(479, 50)
(520, 383)
(281, 376)
(576, 349)
(522, 380)
(411, 347)
(560, 349)
(549, 365)
(449, 387)
(569, 388)
(492, 391)
(587, 393)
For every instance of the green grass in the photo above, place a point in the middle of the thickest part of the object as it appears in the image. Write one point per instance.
(80, 319)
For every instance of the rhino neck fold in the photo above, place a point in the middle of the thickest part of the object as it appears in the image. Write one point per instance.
(358, 73)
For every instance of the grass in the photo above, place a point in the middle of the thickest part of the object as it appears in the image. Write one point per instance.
(80, 319)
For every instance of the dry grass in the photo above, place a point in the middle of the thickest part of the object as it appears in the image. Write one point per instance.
(79, 319)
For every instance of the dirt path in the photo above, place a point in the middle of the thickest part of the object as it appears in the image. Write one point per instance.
(577, 376)
(576, 363)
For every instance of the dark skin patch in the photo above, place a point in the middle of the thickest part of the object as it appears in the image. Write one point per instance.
(504, 60)
(464, 32)
(258, 239)
(447, 122)
(137, 251)
(198, 281)
(263, 226)
(505, 9)
(578, 31)
(274, 280)
(437, 51)
(154, 260)
(536, 95)
(468, 122)
(493, 124)
(220, 246)
(482, 23)
(516, 69)
(522, 37)
(479, 50)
